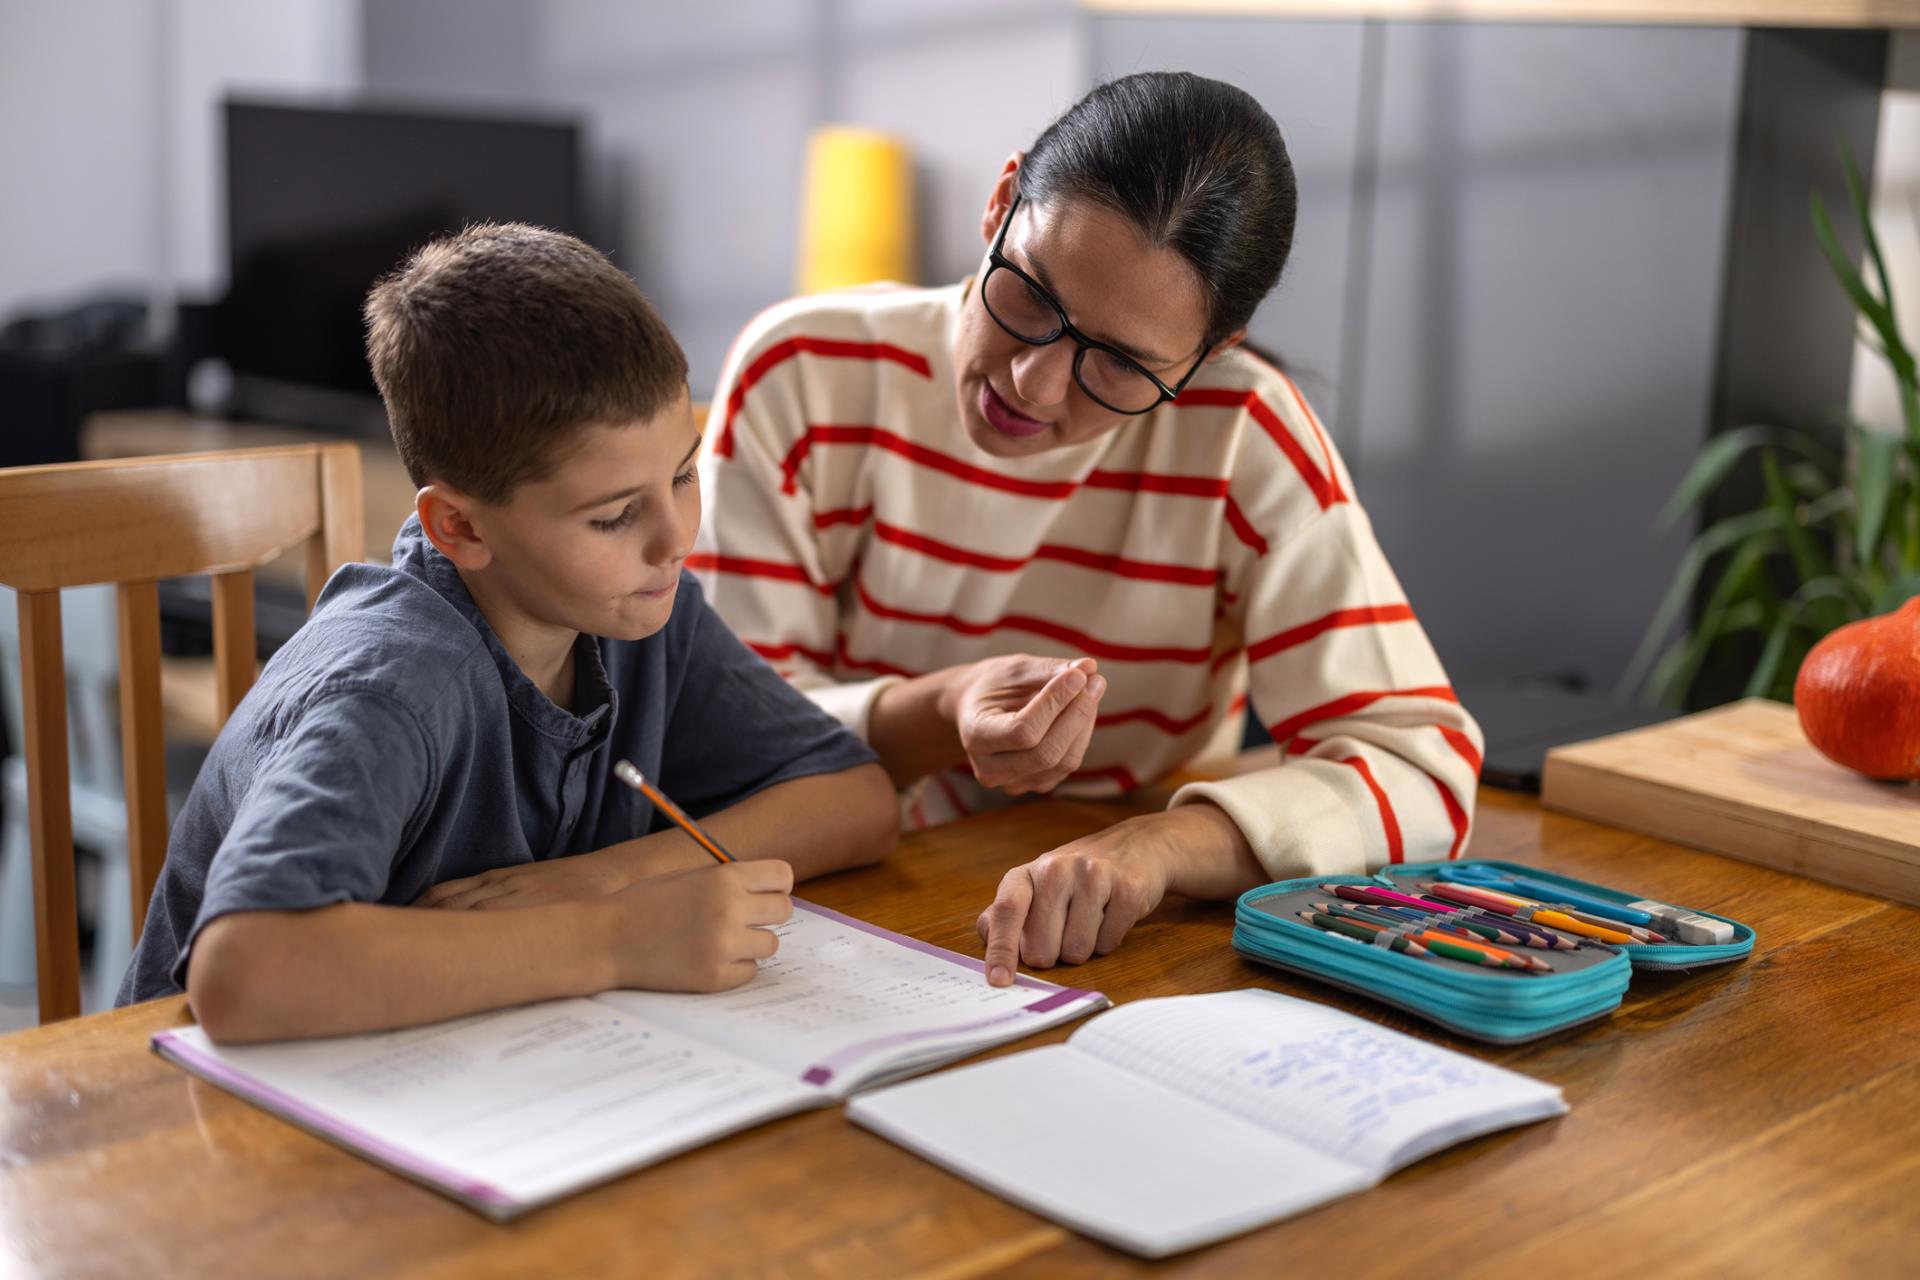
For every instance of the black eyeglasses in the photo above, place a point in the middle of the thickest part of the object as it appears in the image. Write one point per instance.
(1111, 378)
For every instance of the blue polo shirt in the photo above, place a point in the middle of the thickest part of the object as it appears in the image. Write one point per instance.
(393, 744)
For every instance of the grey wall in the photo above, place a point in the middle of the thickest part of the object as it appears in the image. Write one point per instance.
(1511, 282)
(698, 116)
(109, 154)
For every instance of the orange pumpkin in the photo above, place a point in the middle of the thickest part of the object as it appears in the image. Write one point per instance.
(1858, 695)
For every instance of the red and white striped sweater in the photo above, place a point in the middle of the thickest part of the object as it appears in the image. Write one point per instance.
(854, 534)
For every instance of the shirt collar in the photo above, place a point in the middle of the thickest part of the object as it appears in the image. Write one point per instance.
(418, 558)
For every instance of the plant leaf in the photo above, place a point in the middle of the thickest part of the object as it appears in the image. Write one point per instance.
(1809, 561)
(1856, 194)
(1725, 612)
(1872, 487)
(1900, 589)
(1711, 466)
(1877, 312)
(1712, 540)
(1760, 683)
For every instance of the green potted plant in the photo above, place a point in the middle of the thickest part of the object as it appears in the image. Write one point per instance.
(1836, 537)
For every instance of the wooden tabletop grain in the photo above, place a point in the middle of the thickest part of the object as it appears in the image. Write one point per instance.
(1757, 1119)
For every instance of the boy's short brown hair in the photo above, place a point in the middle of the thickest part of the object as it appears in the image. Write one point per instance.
(493, 346)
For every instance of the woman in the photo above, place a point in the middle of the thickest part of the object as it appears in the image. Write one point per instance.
(1049, 528)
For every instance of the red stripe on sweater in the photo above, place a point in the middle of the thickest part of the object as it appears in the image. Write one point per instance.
(1149, 482)
(1455, 815)
(1035, 626)
(1396, 852)
(1319, 626)
(1325, 492)
(1326, 450)
(781, 652)
(1463, 745)
(1354, 702)
(1146, 570)
(953, 795)
(1116, 772)
(1157, 718)
(874, 665)
(1243, 528)
(825, 659)
(791, 347)
(881, 438)
(846, 515)
(707, 562)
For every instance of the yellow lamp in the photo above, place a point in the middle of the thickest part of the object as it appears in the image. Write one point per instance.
(857, 223)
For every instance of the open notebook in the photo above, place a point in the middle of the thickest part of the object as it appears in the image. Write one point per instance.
(1172, 1123)
(508, 1110)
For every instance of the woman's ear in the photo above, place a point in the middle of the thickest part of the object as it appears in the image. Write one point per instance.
(1000, 199)
(1226, 344)
(446, 517)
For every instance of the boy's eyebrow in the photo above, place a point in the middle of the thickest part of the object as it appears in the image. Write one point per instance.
(628, 493)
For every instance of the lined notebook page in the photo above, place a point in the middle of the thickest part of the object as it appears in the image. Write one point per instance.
(1357, 1091)
(1118, 1157)
(842, 1001)
(504, 1109)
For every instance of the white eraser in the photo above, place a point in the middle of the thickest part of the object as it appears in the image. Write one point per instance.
(1702, 930)
(1688, 926)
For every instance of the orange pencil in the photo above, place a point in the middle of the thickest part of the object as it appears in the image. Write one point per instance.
(1507, 905)
(625, 771)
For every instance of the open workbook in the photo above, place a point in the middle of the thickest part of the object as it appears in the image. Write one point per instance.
(1168, 1124)
(508, 1110)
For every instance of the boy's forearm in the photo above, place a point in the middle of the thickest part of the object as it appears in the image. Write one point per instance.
(271, 975)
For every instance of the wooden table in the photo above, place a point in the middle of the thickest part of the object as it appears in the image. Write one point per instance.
(1758, 1119)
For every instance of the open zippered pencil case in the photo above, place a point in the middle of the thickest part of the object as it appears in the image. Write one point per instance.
(1375, 949)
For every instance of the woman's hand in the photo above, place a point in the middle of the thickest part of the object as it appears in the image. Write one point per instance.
(1080, 900)
(1025, 722)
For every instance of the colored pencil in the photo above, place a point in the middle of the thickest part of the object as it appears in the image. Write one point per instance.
(1563, 896)
(1388, 897)
(625, 771)
(1454, 948)
(1468, 922)
(1635, 932)
(1383, 897)
(1355, 929)
(1506, 906)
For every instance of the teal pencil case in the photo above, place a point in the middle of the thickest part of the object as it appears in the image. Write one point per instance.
(1567, 982)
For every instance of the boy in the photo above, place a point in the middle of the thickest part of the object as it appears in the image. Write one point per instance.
(441, 732)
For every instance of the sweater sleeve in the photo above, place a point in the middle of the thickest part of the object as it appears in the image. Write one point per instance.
(771, 555)
(1379, 761)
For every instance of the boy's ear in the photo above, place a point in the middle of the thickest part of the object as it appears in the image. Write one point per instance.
(446, 517)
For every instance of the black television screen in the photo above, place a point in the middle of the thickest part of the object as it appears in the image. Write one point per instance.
(322, 201)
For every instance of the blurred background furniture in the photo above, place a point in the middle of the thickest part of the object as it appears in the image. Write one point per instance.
(130, 524)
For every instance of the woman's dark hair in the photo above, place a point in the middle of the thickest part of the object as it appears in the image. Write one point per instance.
(1196, 164)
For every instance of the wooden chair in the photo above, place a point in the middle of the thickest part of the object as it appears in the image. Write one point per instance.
(131, 523)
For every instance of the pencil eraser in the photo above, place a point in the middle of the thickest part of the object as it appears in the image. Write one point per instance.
(1702, 930)
(1688, 926)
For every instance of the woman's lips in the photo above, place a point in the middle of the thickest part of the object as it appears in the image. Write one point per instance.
(1004, 418)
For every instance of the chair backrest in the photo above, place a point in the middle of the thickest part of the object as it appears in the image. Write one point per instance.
(89, 621)
(131, 523)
